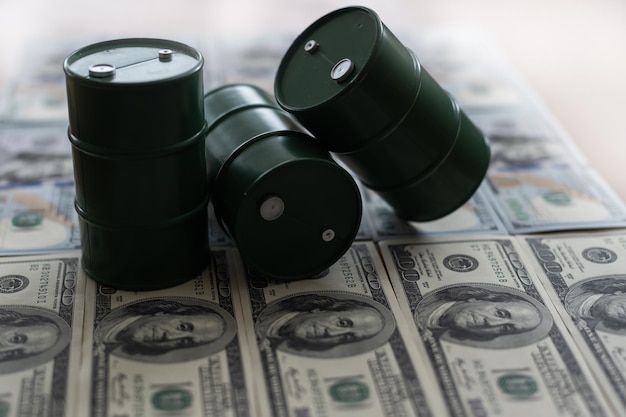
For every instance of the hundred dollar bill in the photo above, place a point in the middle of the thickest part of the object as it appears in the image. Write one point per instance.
(36, 91)
(38, 219)
(563, 198)
(34, 153)
(525, 139)
(497, 346)
(538, 180)
(175, 351)
(475, 216)
(41, 311)
(585, 276)
(336, 344)
(30, 101)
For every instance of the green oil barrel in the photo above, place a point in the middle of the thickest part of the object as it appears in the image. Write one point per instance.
(290, 209)
(366, 97)
(137, 128)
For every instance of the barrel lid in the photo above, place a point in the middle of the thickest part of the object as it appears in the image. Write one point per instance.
(291, 210)
(329, 56)
(133, 61)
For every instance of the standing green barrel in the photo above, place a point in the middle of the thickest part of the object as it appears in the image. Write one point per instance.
(137, 129)
(287, 205)
(366, 97)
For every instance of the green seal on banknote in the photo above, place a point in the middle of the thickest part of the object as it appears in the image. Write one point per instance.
(517, 385)
(13, 283)
(27, 219)
(172, 399)
(558, 198)
(349, 392)
(5, 409)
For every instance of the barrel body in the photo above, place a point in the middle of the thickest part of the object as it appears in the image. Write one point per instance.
(137, 129)
(290, 209)
(366, 97)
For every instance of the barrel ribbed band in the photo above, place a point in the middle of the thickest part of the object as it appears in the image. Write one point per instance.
(172, 221)
(105, 153)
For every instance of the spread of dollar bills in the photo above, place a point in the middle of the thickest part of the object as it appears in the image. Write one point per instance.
(336, 344)
(511, 305)
(492, 335)
(41, 322)
(584, 276)
(37, 212)
(178, 351)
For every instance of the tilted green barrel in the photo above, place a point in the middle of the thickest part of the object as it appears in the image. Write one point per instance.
(366, 97)
(137, 128)
(290, 209)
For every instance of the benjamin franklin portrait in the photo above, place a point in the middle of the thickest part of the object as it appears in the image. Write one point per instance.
(30, 336)
(166, 330)
(333, 324)
(490, 316)
(600, 301)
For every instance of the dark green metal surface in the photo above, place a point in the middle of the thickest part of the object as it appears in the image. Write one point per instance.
(137, 133)
(382, 114)
(430, 193)
(260, 159)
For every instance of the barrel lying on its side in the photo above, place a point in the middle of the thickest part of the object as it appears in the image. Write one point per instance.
(366, 97)
(290, 209)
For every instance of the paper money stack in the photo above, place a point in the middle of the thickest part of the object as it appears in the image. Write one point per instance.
(510, 306)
